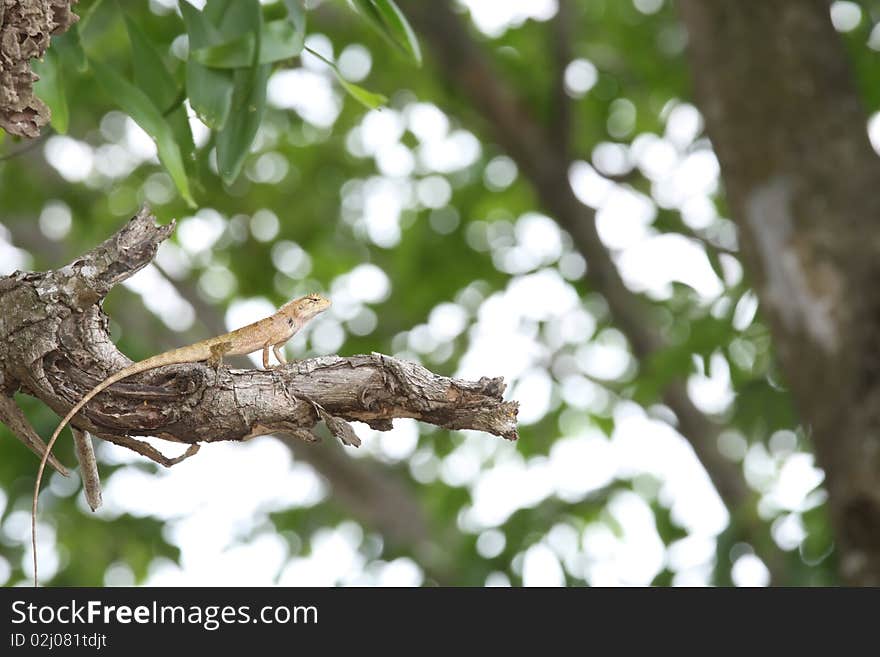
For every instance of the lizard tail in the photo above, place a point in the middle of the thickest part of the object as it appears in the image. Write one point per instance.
(121, 374)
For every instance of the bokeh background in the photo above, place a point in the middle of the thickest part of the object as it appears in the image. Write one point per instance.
(436, 246)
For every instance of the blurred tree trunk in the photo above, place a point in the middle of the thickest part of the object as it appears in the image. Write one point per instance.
(544, 162)
(773, 81)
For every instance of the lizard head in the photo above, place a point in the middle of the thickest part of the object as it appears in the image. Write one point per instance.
(299, 311)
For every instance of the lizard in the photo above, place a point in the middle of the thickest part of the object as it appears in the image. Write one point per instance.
(269, 333)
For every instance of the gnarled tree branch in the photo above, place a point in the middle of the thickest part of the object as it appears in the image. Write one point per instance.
(56, 346)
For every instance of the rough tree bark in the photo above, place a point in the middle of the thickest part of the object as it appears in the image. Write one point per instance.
(25, 29)
(55, 345)
(545, 162)
(785, 118)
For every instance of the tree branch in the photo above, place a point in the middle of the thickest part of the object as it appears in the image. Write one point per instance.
(56, 347)
(559, 125)
(371, 492)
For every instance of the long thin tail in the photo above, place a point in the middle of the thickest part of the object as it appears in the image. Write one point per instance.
(141, 366)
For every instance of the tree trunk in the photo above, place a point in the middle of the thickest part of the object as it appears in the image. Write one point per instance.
(784, 115)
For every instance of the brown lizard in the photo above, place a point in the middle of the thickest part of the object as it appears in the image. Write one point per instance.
(269, 333)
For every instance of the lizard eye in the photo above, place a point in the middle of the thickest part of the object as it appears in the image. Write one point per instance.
(290, 321)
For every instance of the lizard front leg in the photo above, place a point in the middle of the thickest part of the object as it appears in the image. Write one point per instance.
(279, 354)
(266, 357)
(217, 353)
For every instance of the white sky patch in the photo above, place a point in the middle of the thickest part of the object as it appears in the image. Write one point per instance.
(684, 123)
(383, 201)
(612, 159)
(534, 390)
(290, 258)
(326, 336)
(624, 218)
(647, 446)
(542, 295)
(501, 342)
(712, 392)
(200, 132)
(538, 242)
(115, 161)
(11, 257)
(580, 76)
(541, 567)
(690, 552)
(511, 484)
(264, 225)
(653, 264)
(334, 559)
(500, 173)
(632, 558)
(396, 161)
(138, 142)
(494, 18)
(606, 357)
(368, 283)
(239, 484)
(198, 233)
(654, 156)
(309, 94)
(72, 159)
(458, 150)
(589, 186)
(447, 321)
(161, 298)
(322, 45)
(427, 122)
(874, 121)
(749, 570)
(845, 15)
(380, 129)
(400, 442)
(354, 62)
(582, 464)
(255, 562)
(797, 478)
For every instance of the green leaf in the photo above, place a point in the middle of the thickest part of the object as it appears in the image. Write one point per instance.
(134, 102)
(152, 76)
(234, 17)
(400, 28)
(85, 20)
(150, 73)
(209, 91)
(297, 16)
(68, 47)
(387, 19)
(279, 41)
(249, 105)
(51, 90)
(249, 99)
(368, 99)
(200, 31)
(179, 122)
